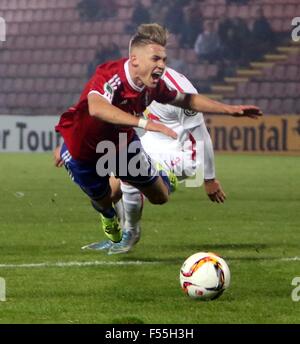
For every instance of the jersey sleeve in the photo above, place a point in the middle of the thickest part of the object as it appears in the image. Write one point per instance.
(102, 83)
(187, 118)
(178, 81)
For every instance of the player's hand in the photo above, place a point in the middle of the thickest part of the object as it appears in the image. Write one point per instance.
(245, 111)
(161, 128)
(214, 191)
(58, 162)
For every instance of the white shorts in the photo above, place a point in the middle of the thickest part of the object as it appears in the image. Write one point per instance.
(184, 160)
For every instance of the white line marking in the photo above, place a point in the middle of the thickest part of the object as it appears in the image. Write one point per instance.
(290, 259)
(111, 263)
(71, 264)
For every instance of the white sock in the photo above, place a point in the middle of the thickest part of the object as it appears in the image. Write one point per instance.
(133, 201)
(119, 208)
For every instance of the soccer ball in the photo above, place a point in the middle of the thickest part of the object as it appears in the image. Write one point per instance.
(204, 276)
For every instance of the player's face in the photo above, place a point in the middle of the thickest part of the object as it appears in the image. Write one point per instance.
(151, 62)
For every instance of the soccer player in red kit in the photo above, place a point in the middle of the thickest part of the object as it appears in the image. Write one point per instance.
(110, 106)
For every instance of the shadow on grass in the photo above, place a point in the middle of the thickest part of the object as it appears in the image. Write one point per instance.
(180, 260)
(212, 247)
(169, 253)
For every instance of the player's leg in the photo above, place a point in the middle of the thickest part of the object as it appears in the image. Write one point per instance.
(116, 196)
(156, 189)
(151, 179)
(129, 211)
(133, 201)
(157, 192)
(98, 190)
(171, 161)
(133, 205)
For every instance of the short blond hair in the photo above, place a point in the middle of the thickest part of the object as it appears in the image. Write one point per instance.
(149, 34)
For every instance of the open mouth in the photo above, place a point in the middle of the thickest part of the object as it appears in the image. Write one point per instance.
(156, 75)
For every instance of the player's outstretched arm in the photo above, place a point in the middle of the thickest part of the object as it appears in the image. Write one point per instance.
(102, 109)
(200, 103)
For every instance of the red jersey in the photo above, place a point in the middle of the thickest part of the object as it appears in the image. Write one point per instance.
(82, 132)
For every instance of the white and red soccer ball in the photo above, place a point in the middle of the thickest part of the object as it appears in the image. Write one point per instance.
(204, 276)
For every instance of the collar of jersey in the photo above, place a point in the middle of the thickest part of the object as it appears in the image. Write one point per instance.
(129, 79)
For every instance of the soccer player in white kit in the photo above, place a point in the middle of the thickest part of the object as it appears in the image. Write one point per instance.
(185, 157)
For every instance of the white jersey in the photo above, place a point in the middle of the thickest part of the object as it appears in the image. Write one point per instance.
(176, 118)
(180, 154)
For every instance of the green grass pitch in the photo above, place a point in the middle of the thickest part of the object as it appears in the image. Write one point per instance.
(45, 218)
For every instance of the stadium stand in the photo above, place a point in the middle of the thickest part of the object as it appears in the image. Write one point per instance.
(275, 87)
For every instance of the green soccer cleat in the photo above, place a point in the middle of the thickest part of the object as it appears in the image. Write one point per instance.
(171, 176)
(111, 228)
(173, 181)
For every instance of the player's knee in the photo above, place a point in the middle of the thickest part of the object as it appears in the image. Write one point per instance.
(159, 199)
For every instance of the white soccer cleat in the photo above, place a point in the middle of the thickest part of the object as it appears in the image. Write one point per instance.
(98, 246)
(129, 239)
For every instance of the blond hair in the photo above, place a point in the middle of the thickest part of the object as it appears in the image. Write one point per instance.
(149, 34)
